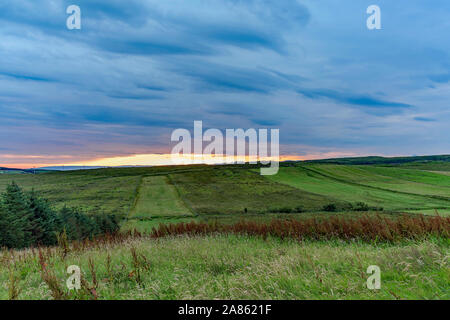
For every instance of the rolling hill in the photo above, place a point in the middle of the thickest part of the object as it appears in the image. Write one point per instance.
(143, 194)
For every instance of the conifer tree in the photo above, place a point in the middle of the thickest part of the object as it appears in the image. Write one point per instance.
(44, 219)
(18, 217)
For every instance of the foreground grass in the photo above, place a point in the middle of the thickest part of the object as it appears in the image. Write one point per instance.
(239, 267)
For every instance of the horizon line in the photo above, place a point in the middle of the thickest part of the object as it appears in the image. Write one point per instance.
(165, 160)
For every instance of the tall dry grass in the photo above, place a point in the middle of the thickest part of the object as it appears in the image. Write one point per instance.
(366, 228)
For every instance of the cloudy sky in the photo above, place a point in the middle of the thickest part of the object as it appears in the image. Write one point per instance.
(138, 69)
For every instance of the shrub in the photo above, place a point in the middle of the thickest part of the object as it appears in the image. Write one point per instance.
(281, 210)
(361, 206)
(299, 209)
(331, 207)
(285, 210)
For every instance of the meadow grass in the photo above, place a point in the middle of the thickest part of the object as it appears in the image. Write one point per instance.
(410, 175)
(237, 266)
(392, 179)
(157, 198)
(228, 191)
(232, 267)
(313, 181)
(109, 190)
(149, 193)
(433, 212)
(95, 194)
(427, 166)
(373, 228)
(447, 173)
(146, 225)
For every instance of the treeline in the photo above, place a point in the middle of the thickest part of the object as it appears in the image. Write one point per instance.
(28, 220)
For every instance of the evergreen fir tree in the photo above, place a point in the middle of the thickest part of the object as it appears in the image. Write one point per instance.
(45, 221)
(18, 217)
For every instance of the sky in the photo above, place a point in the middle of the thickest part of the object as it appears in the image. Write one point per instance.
(114, 91)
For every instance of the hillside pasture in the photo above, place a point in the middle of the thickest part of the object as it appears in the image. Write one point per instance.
(232, 191)
(156, 197)
(155, 193)
(392, 179)
(94, 194)
(341, 185)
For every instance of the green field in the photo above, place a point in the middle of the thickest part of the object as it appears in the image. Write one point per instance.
(96, 194)
(431, 166)
(391, 179)
(156, 197)
(353, 184)
(155, 193)
(431, 212)
(447, 173)
(239, 267)
(239, 191)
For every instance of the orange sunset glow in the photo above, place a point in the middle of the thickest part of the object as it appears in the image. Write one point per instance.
(37, 161)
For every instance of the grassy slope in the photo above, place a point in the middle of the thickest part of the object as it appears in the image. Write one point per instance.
(225, 190)
(111, 190)
(390, 161)
(431, 166)
(393, 179)
(427, 178)
(94, 193)
(221, 191)
(431, 212)
(157, 198)
(236, 267)
(447, 173)
(312, 181)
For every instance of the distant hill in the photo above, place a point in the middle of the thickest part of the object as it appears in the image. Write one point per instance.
(70, 168)
(4, 170)
(73, 168)
(382, 160)
(11, 170)
(436, 160)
